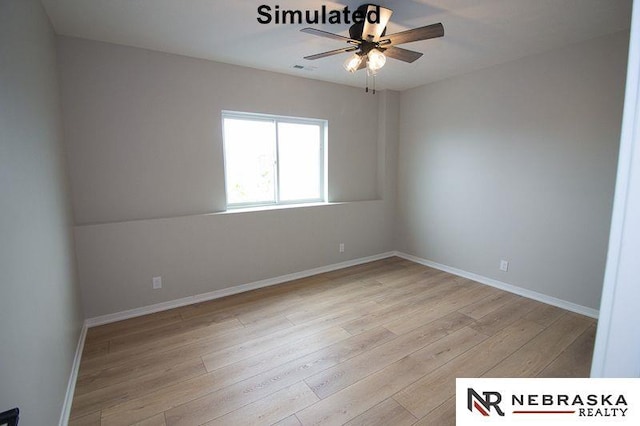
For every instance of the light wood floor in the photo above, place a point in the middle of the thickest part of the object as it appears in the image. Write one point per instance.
(374, 344)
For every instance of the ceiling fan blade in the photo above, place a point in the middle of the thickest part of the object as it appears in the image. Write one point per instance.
(331, 52)
(416, 34)
(327, 34)
(372, 32)
(402, 54)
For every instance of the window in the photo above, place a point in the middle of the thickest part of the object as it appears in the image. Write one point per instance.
(273, 160)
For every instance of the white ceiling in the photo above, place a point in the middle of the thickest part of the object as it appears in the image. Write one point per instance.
(478, 33)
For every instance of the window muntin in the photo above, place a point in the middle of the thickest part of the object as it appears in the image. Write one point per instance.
(273, 160)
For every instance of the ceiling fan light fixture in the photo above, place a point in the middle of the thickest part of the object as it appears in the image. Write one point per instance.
(353, 62)
(370, 40)
(375, 60)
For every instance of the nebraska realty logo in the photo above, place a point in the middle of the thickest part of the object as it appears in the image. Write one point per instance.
(484, 404)
(554, 401)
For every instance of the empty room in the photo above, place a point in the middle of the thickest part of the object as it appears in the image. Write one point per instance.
(314, 212)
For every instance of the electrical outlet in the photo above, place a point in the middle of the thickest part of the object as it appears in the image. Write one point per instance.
(157, 283)
(504, 265)
(341, 248)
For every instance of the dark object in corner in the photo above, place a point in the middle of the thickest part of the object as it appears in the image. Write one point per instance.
(9, 418)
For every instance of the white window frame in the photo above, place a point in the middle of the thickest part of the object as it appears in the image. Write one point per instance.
(323, 129)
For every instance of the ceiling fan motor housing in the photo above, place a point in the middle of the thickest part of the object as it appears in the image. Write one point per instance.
(356, 30)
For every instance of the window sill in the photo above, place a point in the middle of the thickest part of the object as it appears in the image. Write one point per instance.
(277, 207)
(230, 211)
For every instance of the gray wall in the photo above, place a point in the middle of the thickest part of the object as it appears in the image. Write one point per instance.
(202, 253)
(144, 135)
(40, 318)
(517, 162)
(144, 143)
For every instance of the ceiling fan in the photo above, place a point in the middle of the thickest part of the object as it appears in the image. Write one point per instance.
(370, 43)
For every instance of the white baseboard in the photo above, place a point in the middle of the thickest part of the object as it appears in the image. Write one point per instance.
(71, 385)
(550, 300)
(119, 316)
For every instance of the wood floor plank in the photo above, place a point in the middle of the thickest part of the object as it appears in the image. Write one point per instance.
(419, 397)
(345, 301)
(345, 374)
(265, 342)
(172, 335)
(427, 287)
(277, 308)
(487, 305)
(327, 297)
(388, 412)
(218, 393)
(365, 293)
(328, 294)
(99, 399)
(406, 274)
(271, 409)
(354, 400)
(436, 308)
(378, 343)
(575, 361)
(120, 367)
(411, 304)
(404, 277)
(133, 325)
(267, 300)
(397, 295)
(91, 419)
(507, 314)
(536, 354)
(95, 349)
(157, 420)
(282, 354)
(544, 314)
(292, 420)
(237, 302)
(366, 269)
(165, 398)
(250, 390)
(443, 415)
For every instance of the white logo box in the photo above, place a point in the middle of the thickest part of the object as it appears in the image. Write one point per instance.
(547, 402)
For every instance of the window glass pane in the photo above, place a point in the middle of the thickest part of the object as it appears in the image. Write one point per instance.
(250, 156)
(299, 159)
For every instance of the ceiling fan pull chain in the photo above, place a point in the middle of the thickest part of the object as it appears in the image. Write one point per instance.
(366, 89)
